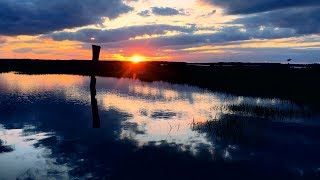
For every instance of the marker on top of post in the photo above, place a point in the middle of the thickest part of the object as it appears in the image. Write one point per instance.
(95, 53)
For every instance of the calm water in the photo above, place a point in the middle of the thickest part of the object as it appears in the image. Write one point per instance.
(68, 127)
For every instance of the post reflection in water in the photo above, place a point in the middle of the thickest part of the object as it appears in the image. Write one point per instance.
(94, 103)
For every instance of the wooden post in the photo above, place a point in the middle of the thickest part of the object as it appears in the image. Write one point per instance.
(95, 53)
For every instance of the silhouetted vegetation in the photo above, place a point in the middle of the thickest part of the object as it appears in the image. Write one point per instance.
(264, 111)
(267, 112)
(229, 128)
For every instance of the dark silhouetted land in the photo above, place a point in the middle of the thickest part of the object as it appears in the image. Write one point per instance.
(299, 83)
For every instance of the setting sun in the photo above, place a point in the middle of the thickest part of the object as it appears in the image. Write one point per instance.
(137, 58)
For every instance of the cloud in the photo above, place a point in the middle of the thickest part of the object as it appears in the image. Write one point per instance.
(167, 11)
(302, 20)
(257, 55)
(256, 6)
(2, 40)
(115, 35)
(145, 13)
(227, 34)
(38, 16)
(162, 11)
(22, 50)
(209, 13)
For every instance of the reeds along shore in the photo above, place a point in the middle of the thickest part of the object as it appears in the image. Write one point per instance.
(299, 83)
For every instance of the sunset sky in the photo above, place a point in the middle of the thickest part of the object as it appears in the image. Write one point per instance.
(168, 30)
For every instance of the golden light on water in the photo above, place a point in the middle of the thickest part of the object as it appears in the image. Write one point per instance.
(137, 58)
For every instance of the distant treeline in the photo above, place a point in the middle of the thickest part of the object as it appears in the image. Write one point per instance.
(295, 82)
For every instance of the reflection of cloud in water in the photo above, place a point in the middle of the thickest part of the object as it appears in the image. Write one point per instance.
(38, 83)
(163, 114)
(159, 111)
(70, 86)
(26, 160)
(135, 113)
(5, 148)
(165, 94)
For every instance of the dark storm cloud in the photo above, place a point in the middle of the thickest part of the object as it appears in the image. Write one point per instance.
(122, 37)
(30, 17)
(302, 20)
(115, 35)
(256, 6)
(166, 11)
(228, 34)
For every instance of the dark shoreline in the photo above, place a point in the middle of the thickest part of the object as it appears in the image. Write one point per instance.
(296, 82)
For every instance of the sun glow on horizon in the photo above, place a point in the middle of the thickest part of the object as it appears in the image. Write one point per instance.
(136, 58)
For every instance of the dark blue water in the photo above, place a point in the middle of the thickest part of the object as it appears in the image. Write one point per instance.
(68, 127)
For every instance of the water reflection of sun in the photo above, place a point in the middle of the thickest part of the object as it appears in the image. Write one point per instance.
(137, 58)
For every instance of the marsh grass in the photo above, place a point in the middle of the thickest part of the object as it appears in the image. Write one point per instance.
(244, 122)
(262, 111)
(229, 128)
